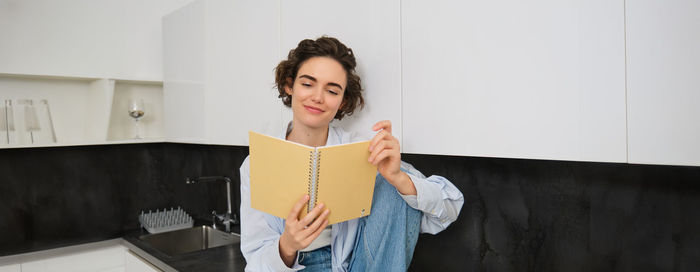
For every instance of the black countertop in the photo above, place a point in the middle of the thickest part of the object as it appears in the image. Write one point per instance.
(224, 258)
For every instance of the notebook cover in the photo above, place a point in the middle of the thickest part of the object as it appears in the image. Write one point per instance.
(279, 176)
(346, 181)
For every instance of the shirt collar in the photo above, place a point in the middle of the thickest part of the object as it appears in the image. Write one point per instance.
(333, 135)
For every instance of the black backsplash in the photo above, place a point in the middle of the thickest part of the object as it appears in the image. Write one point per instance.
(51, 197)
(519, 215)
(535, 215)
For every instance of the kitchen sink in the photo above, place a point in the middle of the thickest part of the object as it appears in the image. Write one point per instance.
(189, 240)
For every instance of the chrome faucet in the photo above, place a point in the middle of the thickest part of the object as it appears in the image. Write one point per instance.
(228, 218)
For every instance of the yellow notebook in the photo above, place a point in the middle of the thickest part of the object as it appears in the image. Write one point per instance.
(339, 176)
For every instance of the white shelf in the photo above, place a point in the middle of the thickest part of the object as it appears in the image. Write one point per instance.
(132, 141)
(30, 76)
(85, 110)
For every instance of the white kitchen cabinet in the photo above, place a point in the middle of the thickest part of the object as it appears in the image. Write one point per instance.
(11, 268)
(94, 257)
(96, 39)
(663, 68)
(110, 258)
(136, 264)
(219, 58)
(536, 79)
(372, 29)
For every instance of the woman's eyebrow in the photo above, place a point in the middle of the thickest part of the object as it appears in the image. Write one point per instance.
(309, 77)
(314, 80)
(335, 84)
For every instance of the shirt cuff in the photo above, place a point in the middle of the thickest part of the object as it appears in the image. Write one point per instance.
(412, 200)
(425, 197)
(278, 264)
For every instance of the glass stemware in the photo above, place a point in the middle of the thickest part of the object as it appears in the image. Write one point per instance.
(8, 123)
(136, 111)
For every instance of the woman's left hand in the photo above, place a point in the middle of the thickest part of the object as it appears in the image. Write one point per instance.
(385, 153)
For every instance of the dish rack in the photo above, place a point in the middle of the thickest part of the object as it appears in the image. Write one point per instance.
(165, 220)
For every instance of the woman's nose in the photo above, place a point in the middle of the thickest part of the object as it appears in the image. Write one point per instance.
(317, 96)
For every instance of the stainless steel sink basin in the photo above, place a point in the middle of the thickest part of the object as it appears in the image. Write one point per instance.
(189, 240)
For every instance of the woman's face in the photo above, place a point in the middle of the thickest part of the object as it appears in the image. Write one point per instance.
(317, 93)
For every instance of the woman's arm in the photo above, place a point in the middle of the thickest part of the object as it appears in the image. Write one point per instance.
(438, 199)
(269, 243)
(385, 153)
(300, 232)
(260, 233)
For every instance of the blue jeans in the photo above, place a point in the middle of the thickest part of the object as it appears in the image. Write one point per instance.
(385, 240)
(316, 260)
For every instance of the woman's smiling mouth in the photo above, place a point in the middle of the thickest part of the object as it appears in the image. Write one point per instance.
(313, 109)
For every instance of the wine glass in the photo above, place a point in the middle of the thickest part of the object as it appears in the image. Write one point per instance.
(136, 111)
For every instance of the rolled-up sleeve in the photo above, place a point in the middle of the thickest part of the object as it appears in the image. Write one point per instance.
(438, 199)
(260, 233)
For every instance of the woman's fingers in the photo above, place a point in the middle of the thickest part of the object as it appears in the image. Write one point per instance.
(381, 156)
(384, 124)
(311, 216)
(318, 222)
(316, 233)
(294, 213)
(380, 136)
(392, 146)
(380, 148)
(299, 233)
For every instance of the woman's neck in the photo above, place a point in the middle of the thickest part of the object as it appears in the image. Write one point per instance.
(308, 136)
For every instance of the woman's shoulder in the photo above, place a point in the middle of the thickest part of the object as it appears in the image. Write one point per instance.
(245, 166)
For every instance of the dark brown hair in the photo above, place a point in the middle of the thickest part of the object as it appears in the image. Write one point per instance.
(286, 71)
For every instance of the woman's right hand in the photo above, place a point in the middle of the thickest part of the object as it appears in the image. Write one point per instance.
(299, 233)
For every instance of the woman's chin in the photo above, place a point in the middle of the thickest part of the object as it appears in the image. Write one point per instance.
(314, 122)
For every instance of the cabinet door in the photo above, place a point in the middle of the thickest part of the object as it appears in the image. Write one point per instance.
(663, 65)
(136, 264)
(218, 74)
(372, 29)
(103, 259)
(536, 79)
(242, 51)
(10, 268)
(184, 73)
(116, 39)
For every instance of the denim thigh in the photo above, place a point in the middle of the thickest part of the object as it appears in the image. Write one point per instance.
(387, 237)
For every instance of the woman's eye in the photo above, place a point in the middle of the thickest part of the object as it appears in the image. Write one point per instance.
(333, 92)
(306, 84)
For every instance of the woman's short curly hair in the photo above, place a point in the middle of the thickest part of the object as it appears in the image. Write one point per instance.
(286, 71)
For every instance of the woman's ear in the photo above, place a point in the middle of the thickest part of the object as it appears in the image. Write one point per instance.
(288, 86)
(342, 104)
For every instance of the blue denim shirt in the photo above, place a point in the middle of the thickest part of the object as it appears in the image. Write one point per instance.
(437, 198)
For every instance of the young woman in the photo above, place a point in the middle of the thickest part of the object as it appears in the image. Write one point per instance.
(318, 81)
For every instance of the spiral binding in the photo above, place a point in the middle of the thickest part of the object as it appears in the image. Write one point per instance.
(314, 169)
(318, 175)
(308, 189)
